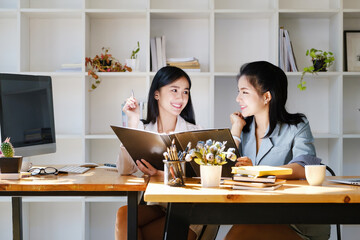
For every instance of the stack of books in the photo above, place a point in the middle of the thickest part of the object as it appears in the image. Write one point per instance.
(190, 64)
(287, 61)
(257, 177)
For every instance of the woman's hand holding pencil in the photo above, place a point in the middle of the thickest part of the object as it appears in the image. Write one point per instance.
(132, 111)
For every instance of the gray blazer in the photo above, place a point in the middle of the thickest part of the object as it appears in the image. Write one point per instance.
(287, 143)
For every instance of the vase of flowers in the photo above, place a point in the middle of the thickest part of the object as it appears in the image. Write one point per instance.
(210, 155)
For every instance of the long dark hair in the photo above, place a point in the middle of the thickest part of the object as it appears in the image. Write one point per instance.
(165, 76)
(264, 76)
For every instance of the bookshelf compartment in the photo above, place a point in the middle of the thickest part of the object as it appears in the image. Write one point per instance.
(351, 153)
(116, 4)
(68, 104)
(322, 91)
(329, 150)
(305, 26)
(184, 4)
(101, 216)
(51, 4)
(119, 32)
(351, 21)
(49, 41)
(8, 4)
(68, 151)
(245, 5)
(186, 35)
(351, 105)
(253, 40)
(102, 150)
(104, 103)
(309, 4)
(8, 43)
(5, 224)
(41, 220)
(225, 93)
(351, 4)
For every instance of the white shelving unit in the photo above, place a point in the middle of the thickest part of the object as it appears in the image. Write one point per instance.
(37, 36)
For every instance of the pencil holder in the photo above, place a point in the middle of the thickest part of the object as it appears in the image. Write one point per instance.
(174, 173)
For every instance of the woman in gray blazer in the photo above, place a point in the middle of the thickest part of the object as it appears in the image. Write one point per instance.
(269, 135)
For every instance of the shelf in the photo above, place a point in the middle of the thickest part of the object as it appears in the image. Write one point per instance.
(245, 5)
(115, 13)
(309, 5)
(315, 75)
(100, 136)
(106, 199)
(116, 4)
(355, 135)
(179, 14)
(184, 4)
(51, 13)
(51, 4)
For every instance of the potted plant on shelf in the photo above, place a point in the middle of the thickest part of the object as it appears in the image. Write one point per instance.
(103, 63)
(133, 62)
(210, 155)
(321, 60)
(8, 162)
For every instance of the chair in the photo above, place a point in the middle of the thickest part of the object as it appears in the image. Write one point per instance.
(338, 229)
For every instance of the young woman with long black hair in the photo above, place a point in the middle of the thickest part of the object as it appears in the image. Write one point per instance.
(269, 135)
(169, 110)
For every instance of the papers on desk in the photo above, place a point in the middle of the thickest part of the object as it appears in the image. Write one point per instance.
(238, 185)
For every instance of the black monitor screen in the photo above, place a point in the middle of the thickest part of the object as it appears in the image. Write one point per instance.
(26, 114)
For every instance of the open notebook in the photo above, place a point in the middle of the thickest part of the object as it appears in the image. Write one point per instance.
(150, 146)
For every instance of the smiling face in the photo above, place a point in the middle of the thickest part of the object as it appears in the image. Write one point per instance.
(172, 98)
(251, 102)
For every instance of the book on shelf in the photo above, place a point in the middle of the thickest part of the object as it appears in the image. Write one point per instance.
(154, 66)
(255, 185)
(142, 144)
(184, 59)
(261, 170)
(70, 67)
(250, 178)
(287, 61)
(159, 52)
(192, 65)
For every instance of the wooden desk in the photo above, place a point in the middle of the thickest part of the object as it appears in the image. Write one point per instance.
(96, 182)
(296, 202)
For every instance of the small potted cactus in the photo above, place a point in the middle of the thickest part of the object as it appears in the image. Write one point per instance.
(8, 162)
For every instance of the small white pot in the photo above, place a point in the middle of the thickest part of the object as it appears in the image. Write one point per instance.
(210, 175)
(133, 63)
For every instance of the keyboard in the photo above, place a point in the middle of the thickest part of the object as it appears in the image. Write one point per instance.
(73, 169)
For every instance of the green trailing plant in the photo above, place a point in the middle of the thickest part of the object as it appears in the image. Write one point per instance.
(103, 63)
(135, 51)
(322, 60)
(7, 149)
(211, 153)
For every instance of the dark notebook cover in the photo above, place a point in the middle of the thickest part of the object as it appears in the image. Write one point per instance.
(150, 146)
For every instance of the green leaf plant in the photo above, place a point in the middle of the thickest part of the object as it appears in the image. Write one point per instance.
(135, 51)
(321, 62)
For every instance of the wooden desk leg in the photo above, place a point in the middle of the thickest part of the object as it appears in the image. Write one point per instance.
(176, 226)
(132, 215)
(17, 218)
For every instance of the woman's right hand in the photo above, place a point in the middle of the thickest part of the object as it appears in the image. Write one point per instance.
(132, 111)
(237, 123)
(243, 161)
(147, 169)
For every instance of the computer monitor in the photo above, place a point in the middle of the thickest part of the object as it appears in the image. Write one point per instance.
(27, 114)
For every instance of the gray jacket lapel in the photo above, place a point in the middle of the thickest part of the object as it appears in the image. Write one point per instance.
(266, 145)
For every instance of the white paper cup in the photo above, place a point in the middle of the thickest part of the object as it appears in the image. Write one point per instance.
(315, 174)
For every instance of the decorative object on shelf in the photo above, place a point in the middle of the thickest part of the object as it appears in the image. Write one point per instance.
(321, 62)
(134, 62)
(352, 51)
(105, 63)
(8, 162)
(211, 155)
